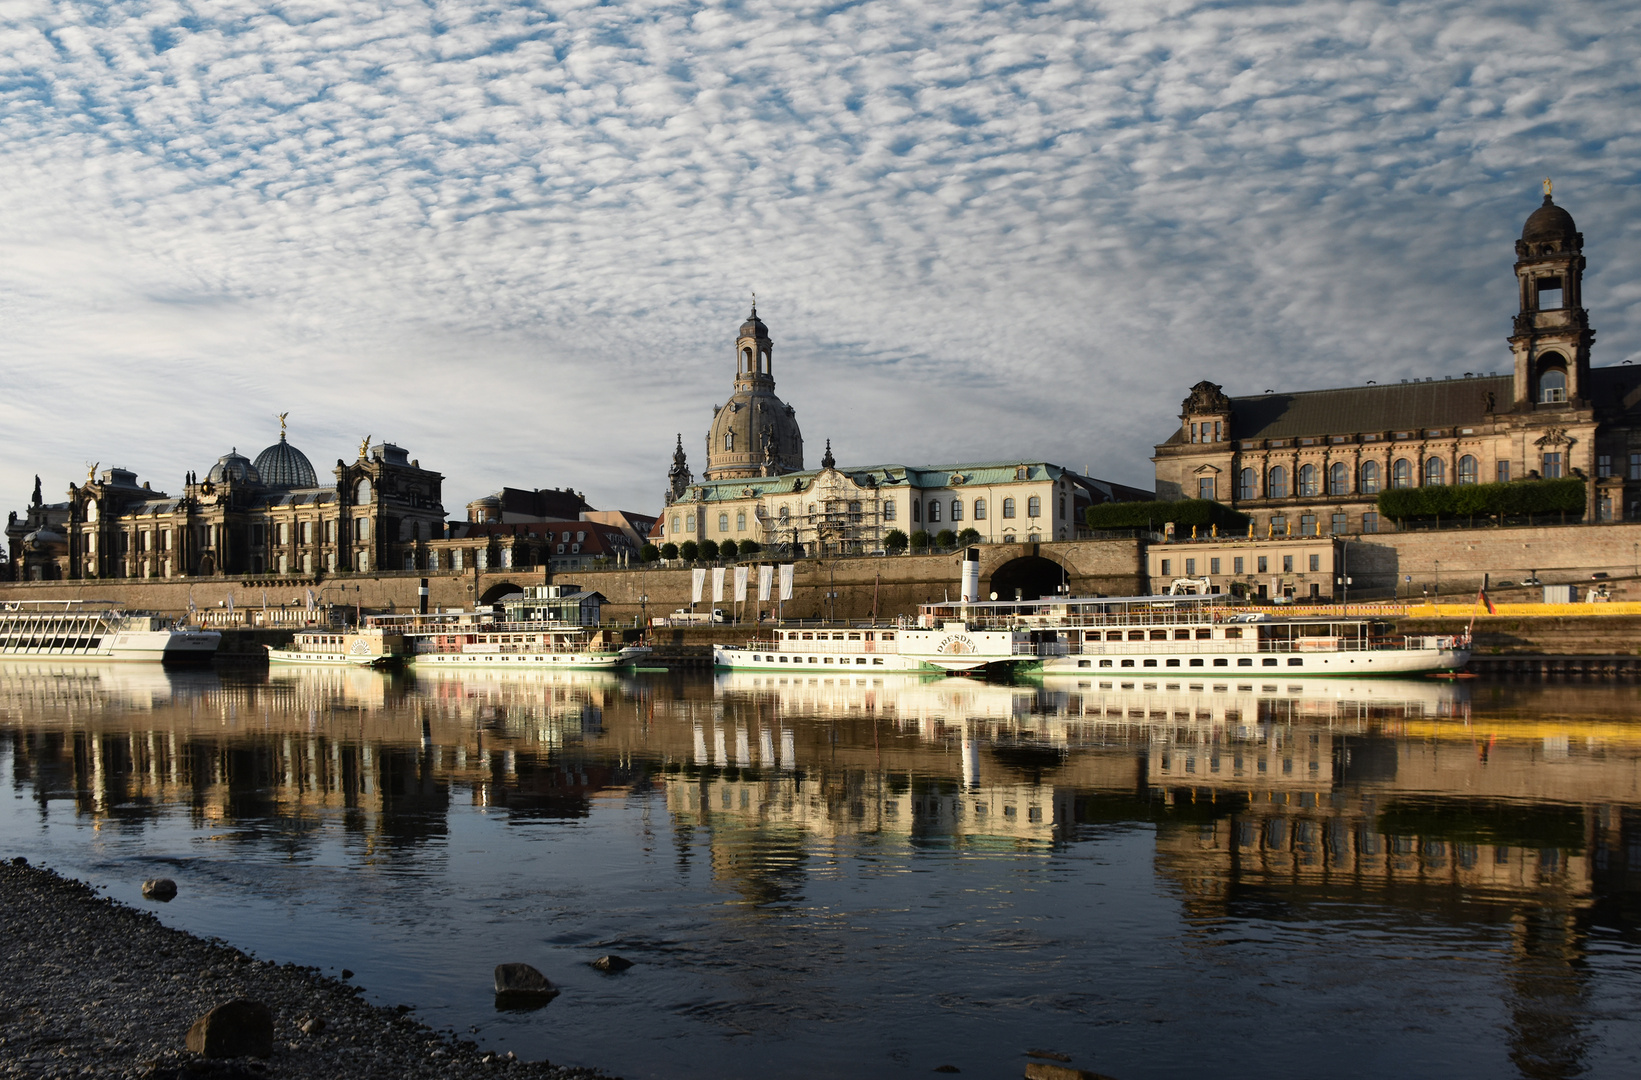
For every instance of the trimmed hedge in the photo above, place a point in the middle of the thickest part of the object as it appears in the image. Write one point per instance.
(1485, 500)
(1153, 515)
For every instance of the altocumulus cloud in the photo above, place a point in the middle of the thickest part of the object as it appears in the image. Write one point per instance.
(517, 237)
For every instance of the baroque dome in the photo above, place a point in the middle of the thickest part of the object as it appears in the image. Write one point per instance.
(233, 466)
(1549, 222)
(755, 433)
(284, 466)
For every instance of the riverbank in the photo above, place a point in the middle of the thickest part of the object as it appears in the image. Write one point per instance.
(92, 987)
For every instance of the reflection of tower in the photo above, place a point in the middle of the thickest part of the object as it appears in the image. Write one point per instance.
(971, 760)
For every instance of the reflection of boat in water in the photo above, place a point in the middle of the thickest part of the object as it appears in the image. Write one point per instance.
(72, 630)
(138, 686)
(439, 677)
(927, 696)
(1307, 697)
(364, 687)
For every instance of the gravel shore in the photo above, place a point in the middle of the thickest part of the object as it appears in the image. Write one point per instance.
(91, 987)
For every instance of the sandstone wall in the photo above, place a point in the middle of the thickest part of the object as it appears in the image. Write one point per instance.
(1557, 554)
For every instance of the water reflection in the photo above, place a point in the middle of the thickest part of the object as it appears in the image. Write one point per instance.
(1499, 822)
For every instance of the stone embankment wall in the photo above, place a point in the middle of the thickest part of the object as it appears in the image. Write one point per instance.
(1556, 554)
(1558, 635)
(889, 585)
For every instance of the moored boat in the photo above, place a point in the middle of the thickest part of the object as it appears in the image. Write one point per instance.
(86, 630)
(540, 628)
(367, 646)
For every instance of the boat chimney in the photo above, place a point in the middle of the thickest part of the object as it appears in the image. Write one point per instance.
(971, 575)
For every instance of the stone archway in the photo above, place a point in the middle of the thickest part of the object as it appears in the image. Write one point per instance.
(1031, 575)
(496, 592)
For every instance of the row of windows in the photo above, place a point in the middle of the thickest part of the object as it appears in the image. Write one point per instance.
(1034, 508)
(1239, 564)
(936, 507)
(1369, 478)
(1604, 466)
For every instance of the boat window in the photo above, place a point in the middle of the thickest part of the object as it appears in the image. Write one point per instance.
(1172, 663)
(1128, 663)
(1136, 635)
(837, 637)
(1196, 662)
(1270, 661)
(1105, 663)
(1233, 633)
(1150, 663)
(1159, 635)
(860, 659)
(854, 637)
(1182, 635)
(809, 637)
(1246, 661)
(877, 660)
(828, 660)
(887, 637)
(1204, 633)
(1296, 661)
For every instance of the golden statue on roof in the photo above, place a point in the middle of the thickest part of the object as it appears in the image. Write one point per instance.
(282, 424)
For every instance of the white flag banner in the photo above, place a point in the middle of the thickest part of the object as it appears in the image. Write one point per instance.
(740, 584)
(717, 584)
(230, 603)
(766, 581)
(786, 581)
(697, 584)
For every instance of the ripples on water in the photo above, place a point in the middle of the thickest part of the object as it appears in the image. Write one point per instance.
(873, 877)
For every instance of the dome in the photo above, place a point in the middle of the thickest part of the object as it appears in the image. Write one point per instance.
(741, 430)
(284, 466)
(1549, 222)
(233, 466)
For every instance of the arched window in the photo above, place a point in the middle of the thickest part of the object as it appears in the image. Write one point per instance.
(917, 510)
(934, 510)
(786, 514)
(729, 440)
(746, 359)
(1552, 386)
(1276, 484)
(1247, 484)
(1008, 507)
(957, 509)
(723, 523)
(1435, 472)
(1401, 473)
(1307, 480)
(740, 521)
(1370, 478)
(1338, 478)
(1467, 470)
(361, 492)
(980, 509)
(1034, 507)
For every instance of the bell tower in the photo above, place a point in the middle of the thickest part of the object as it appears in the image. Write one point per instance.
(752, 354)
(1552, 335)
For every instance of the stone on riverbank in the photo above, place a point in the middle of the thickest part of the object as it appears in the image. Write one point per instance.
(237, 1028)
(611, 964)
(159, 889)
(521, 979)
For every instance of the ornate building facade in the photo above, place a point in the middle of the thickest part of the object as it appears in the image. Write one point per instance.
(1313, 463)
(269, 517)
(754, 433)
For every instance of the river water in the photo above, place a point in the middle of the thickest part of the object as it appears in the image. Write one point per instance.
(862, 877)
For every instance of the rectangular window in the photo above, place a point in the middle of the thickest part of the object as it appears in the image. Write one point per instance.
(1635, 466)
(330, 530)
(957, 509)
(1370, 522)
(1316, 563)
(1307, 524)
(1603, 464)
(1236, 565)
(1279, 526)
(1503, 471)
(1190, 568)
(361, 528)
(740, 521)
(1034, 507)
(1264, 565)
(307, 532)
(1341, 525)
(723, 522)
(1205, 487)
(689, 523)
(934, 510)
(1552, 466)
(1287, 564)
(889, 511)
(1219, 428)
(1008, 507)
(1167, 567)
(1213, 566)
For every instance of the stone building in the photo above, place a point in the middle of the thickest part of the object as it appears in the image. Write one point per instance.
(1314, 462)
(270, 517)
(754, 433)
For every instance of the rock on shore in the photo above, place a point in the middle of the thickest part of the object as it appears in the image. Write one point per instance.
(94, 988)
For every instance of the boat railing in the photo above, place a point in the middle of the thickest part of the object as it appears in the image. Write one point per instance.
(1294, 645)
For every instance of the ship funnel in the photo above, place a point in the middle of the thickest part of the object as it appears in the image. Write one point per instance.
(971, 575)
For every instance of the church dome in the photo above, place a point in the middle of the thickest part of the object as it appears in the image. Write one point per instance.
(233, 466)
(284, 466)
(1549, 222)
(755, 433)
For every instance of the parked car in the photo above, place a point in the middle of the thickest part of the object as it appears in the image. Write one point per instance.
(1529, 583)
(1599, 575)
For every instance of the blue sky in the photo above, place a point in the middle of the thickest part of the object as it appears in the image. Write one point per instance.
(516, 238)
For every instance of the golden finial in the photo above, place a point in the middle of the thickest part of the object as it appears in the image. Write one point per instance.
(282, 424)
(1547, 187)
(364, 447)
(91, 472)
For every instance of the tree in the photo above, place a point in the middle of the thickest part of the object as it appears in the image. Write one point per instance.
(968, 536)
(669, 551)
(690, 550)
(895, 542)
(729, 549)
(709, 550)
(945, 538)
(649, 553)
(749, 547)
(920, 540)
(1184, 513)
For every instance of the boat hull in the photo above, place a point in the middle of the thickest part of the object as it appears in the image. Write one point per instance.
(142, 646)
(531, 661)
(1344, 663)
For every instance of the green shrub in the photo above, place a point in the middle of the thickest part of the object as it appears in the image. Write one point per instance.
(690, 550)
(649, 553)
(1516, 497)
(920, 540)
(1184, 513)
(749, 547)
(945, 538)
(669, 551)
(895, 542)
(729, 549)
(967, 537)
(709, 550)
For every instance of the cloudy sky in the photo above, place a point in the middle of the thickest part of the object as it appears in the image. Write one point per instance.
(516, 238)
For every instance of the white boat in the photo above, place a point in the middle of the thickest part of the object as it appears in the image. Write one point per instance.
(475, 638)
(368, 646)
(82, 630)
(1114, 635)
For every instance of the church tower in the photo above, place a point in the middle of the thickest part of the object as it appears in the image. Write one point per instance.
(755, 433)
(1552, 335)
